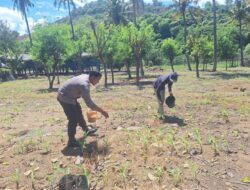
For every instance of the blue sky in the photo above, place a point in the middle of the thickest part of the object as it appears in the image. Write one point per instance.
(43, 11)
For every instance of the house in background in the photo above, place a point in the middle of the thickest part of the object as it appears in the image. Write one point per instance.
(87, 63)
(5, 72)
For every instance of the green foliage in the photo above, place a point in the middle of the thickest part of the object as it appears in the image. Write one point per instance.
(247, 51)
(128, 44)
(227, 45)
(200, 47)
(9, 49)
(169, 48)
(51, 46)
(122, 49)
(81, 44)
(50, 42)
(8, 39)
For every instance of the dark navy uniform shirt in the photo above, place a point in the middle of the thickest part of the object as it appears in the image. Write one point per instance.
(162, 80)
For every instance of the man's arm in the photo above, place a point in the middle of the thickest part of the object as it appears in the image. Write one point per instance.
(170, 88)
(88, 101)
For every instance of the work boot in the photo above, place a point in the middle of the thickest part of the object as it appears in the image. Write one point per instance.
(73, 143)
(162, 117)
(90, 131)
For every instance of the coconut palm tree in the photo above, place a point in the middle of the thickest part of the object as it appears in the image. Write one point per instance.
(138, 8)
(67, 3)
(215, 35)
(240, 14)
(22, 6)
(183, 6)
(115, 11)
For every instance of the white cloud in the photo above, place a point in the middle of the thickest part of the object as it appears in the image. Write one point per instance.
(202, 2)
(62, 10)
(16, 22)
(14, 19)
(79, 3)
(41, 21)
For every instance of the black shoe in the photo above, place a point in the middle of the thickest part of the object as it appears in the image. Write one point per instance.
(73, 143)
(90, 131)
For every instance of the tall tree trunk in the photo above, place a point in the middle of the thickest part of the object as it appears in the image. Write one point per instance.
(137, 73)
(241, 44)
(137, 62)
(71, 22)
(105, 71)
(134, 11)
(53, 76)
(47, 73)
(197, 67)
(226, 64)
(128, 69)
(142, 69)
(215, 36)
(112, 72)
(172, 65)
(110, 59)
(185, 39)
(28, 28)
(36, 70)
(58, 79)
(112, 69)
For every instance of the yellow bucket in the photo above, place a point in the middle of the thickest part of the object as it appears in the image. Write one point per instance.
(92, 116)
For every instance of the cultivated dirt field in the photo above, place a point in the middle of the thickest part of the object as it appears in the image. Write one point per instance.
(202, 144)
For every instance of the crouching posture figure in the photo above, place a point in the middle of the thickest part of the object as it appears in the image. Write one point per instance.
(159, 87)
(68, 93)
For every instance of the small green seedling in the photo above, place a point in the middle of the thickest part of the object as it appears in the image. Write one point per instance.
(158, 172)
(212, 141)
(107, 145)
(186, 144)
(46, 146)
(198, 138)
(226, 145)
(123, 172)
(170, 141)
(16, 176)
(176, 173)
(225, 115)
(195, 170)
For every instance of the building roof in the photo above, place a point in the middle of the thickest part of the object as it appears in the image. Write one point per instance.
(25, 57)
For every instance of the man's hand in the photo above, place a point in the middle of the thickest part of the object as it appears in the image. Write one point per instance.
(105, 114)
(171, 93)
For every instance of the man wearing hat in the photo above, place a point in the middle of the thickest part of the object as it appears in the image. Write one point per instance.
(159, 87)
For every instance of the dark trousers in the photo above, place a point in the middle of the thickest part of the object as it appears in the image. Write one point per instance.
(74, 116)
